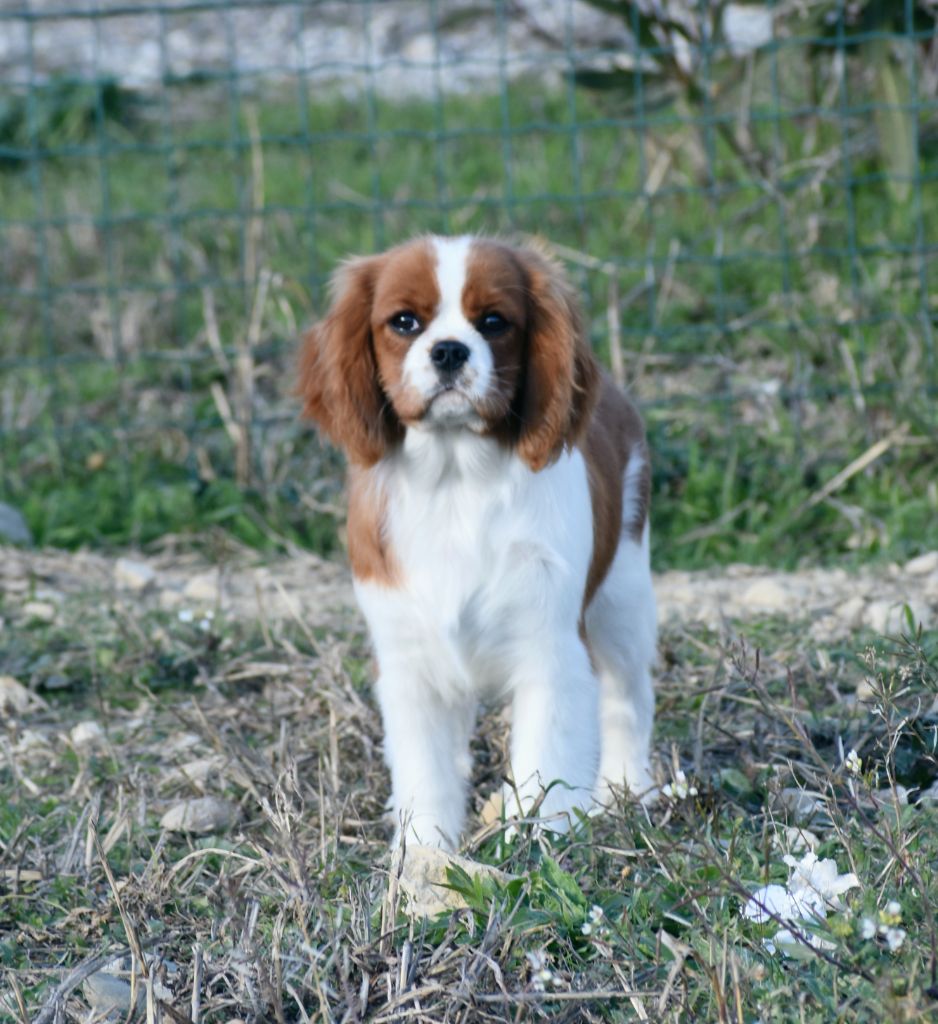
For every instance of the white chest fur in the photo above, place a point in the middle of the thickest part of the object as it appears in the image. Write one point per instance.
(490, 553)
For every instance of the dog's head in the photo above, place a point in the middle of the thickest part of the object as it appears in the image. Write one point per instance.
(450, 334)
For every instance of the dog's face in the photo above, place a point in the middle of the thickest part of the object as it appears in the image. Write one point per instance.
(450, 334)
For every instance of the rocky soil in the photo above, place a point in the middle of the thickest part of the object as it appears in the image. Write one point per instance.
(834, 602)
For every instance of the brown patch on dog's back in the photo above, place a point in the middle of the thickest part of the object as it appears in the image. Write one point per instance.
(371, 557)
(614, 436)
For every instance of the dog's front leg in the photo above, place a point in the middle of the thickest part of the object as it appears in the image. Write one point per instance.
(426, 745)
(555, 728)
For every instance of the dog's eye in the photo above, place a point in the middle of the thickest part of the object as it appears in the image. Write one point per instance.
(405, 323)
(491, 324)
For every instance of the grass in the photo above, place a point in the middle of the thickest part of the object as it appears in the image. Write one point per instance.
(292, 913)
(149, 329)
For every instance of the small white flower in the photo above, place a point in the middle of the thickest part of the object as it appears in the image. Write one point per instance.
(205, 625)
(541, 974)
(186, 615)
(894, 909)
(596, 913)
(894, 939)
(867, 928)
(586, 928)
(679, 789)
(813, 887)
(853, 763)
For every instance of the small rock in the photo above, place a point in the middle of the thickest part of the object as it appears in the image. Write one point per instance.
(800, 839)
(39, 611)
(766, 596)
(201, 772)
(13, 695)
(56, 682)
(801, 805)
(13, 528)
(886, 797)
(923, 565)
(201, 815)
(851, 612)
(32, 745)
(889, 617)
(170, 599)
(423, 880)
(202, 589)
(133, 575)
(931, 794)
(109, 995)
(86, 734)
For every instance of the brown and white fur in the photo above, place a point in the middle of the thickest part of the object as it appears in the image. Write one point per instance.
(497, 526)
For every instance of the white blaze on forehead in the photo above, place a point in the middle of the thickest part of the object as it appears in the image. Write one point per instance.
(449, 323)
(452, 259)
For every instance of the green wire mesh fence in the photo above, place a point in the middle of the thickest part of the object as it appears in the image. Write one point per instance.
(745, 194)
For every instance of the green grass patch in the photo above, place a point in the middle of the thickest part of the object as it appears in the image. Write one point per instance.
(772, 336)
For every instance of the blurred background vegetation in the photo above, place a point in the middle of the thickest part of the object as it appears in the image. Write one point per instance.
(745, 194)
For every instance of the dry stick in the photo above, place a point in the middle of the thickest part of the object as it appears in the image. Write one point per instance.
(616, 360)
(18, 996)
(857, 466)
(195, 1005)
(133, 940)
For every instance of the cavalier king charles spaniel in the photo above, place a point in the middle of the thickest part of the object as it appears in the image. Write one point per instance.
(497, 525)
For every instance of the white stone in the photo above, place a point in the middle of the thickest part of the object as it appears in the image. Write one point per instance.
(801, 805)
(132, 575)
(766, 595)
(40, 611)
(201, 815)
(888, 617)
(86, 734)
(923, 565)
(746, 28)
(851, 612)
(13, 695)
(110, 996)
(202, 589)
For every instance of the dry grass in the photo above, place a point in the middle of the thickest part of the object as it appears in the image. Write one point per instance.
(294, 913)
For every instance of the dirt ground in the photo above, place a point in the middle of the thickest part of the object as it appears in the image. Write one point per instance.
(301, 586)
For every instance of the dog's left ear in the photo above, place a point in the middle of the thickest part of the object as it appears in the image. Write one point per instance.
(561, 377)
(339, 381)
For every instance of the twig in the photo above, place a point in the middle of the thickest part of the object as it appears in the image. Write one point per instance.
(857, 466)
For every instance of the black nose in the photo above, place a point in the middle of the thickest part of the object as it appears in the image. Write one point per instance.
(448, 356)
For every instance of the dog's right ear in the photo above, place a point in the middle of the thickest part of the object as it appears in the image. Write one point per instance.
(338, 374)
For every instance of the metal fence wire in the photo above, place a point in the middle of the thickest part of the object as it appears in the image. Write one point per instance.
(744, 193)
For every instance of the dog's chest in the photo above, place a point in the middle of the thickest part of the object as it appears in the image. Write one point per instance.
(485, 554)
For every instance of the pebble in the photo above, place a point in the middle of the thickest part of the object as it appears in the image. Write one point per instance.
(923, 565)
(13, 528)
(86, 734)
(767, 596)
(801, 805)
(13, 695)
(110, 996)
(202, 589)
(201, 815)
(39, 611)
(132, 575)
(889, 617)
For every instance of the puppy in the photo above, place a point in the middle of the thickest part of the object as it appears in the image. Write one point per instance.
(497, 524)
